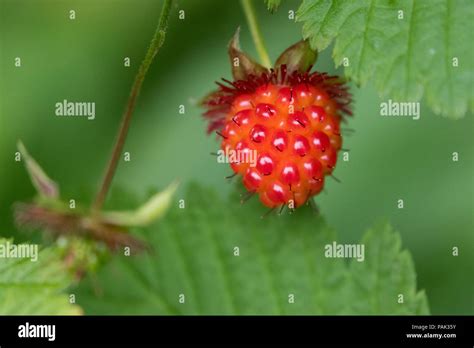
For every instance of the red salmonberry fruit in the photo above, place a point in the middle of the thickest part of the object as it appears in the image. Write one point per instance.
(288, 117)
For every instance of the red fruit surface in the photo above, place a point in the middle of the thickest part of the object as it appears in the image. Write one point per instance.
(291, 124)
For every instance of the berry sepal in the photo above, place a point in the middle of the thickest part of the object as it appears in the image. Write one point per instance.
(298, 57)
(242, 64)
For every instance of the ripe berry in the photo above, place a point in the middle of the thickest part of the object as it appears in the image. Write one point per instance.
(288, 117)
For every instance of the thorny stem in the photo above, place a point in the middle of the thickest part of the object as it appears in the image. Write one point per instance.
(249, 11)
(155, 44)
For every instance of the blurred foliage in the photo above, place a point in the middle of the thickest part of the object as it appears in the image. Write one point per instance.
(278, 260)
(82, 60)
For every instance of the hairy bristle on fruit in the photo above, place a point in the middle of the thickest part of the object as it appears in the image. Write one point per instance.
(218, 103)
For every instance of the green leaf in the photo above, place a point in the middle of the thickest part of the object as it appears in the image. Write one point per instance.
(278, 256)
(407, 57)
(273, 5)
(34, 287)
(387, 273)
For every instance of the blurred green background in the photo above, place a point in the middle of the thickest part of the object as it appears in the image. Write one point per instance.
(82, 60)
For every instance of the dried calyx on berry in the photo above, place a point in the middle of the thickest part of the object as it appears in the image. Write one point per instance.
(287, 116)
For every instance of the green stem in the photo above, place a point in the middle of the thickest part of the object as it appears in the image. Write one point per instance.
(249, 11)
(155, 44)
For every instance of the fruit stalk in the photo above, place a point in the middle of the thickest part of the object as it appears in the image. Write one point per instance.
(249, 11)
(155, 44)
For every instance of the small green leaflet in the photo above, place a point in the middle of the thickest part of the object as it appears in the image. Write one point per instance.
(409, 48)
(272, 5)
(195, 268)
(35, 287)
